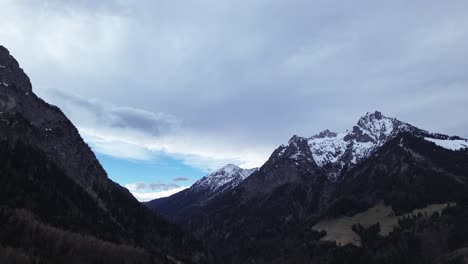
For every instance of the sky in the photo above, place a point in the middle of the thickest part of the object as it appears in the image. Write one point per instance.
(165, 91)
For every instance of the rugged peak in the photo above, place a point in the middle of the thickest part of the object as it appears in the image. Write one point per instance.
(371, 117)
(297, 149)
(225, 178)
(229, 168)
(379, 127)
(325, 134)
(296, 138)
(374, 115)
(11, 75)
(336, 151)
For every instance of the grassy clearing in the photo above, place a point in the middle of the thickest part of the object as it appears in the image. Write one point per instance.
(339, 229)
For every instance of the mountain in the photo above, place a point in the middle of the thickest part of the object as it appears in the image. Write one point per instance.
(301, 205)
(222, 180)
(57, 203)
(338, 152)
(179, 205)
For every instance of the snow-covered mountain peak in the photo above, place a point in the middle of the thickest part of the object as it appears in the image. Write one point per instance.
(335, 151)
(229, 168)
(379, 127)
(225, 178)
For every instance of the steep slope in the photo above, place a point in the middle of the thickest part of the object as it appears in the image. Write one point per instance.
(178, 206)
(49, 171)
(268, 218)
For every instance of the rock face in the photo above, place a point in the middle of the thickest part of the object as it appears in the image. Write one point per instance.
(93, 204)
(11, 74)
(50, 130)
(267, 218)
(180, 205)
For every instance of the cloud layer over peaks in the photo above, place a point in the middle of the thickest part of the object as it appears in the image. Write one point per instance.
(214, 82)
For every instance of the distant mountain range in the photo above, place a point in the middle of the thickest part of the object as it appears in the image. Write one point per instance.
(57, 204)
(287, 210)
(201, 192)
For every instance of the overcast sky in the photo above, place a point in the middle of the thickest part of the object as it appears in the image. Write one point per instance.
(178, 88)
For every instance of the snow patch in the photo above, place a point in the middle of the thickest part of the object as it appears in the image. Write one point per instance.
(328, 149)
(456, 144)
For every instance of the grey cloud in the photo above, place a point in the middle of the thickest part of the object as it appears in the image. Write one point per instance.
(162, 186)
(155, 124)
(141, 186)
(71, 99)
(68, 6)
(178, 179)
(303, 64)
(258, 72)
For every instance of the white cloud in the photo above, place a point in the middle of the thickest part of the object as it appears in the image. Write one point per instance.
(138, 134)
(148, 196)
(142, 186)
(46, 35)
(149, 191)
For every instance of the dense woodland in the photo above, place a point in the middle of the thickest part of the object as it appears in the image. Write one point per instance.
(47, 218)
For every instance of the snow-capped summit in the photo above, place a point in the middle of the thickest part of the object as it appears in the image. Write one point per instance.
(339, 149)
(335, 151)
(202, 191)
(379, 127)
(223, 179)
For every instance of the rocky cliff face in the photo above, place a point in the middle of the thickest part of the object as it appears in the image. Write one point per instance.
(30, 125)
(11, 74)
